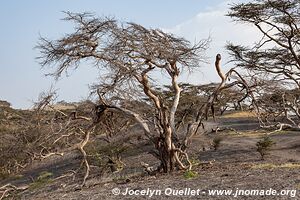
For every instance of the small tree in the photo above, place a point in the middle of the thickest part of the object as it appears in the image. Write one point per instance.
(127, 56)
(216, 142)
(264, 145)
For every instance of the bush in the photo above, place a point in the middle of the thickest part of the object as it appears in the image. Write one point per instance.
(189, 174)
(264, 145)
(216, 142)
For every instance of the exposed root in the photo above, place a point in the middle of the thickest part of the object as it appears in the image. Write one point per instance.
(178, 150)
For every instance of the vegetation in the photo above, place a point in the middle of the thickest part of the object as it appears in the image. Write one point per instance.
(273, 62)
(272, 166)
(43, 179)
(130, 55)
(189, 174)
(264, 145)
(216, 143)
(128, 97)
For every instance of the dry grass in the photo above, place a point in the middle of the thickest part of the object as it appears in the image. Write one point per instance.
(239, 114)
(257, 134)
(275, 166)
(250, 134)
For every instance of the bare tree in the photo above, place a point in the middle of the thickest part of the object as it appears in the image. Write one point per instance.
(276, 57)
(232, 78)
(127, 56)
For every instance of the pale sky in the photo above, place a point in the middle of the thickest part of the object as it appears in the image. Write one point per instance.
(21, 77)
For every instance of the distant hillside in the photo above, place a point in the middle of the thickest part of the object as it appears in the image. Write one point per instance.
(62, 105)
(4, 103)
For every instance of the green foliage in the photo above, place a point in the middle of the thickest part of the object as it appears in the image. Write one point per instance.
(195, 161)
(189, 174)
(44, 175)
(264, 145)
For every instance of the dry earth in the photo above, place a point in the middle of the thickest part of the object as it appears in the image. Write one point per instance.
(236, 164)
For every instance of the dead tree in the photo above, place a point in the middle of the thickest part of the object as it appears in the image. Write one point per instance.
(276, 57)
(130, 54)
(209, 107)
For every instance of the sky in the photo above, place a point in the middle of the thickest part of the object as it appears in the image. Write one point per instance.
(22, 22)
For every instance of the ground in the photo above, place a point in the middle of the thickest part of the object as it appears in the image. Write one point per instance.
(234, 165)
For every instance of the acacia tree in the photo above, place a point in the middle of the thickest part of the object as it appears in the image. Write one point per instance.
(127, 56)
(232, 79)
(276, 57)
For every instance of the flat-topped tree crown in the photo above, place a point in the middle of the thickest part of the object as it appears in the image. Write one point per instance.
(278, 51)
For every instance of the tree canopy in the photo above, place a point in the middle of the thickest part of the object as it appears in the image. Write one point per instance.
(277, 53)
